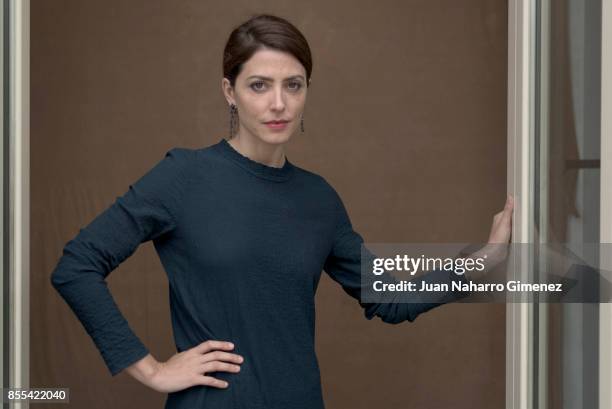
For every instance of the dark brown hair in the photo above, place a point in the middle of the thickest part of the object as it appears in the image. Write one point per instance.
(264, 31)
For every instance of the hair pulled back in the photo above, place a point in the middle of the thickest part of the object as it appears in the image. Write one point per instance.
(264, 31)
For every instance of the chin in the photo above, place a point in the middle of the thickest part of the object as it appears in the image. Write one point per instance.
(275, 138)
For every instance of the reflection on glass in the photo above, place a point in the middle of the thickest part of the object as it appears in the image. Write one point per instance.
(567, 193)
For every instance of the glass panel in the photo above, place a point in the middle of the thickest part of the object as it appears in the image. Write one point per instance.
(567, 193)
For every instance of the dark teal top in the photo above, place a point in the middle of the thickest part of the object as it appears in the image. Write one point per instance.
(243, 245)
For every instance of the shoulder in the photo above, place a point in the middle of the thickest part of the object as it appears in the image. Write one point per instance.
(180, 156)
(319, 184)
(328, 198)
(208, 157)
(175, 158)
(174, 164)
(171, 168)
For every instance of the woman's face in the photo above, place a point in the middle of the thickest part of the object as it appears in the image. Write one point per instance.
(271, 86)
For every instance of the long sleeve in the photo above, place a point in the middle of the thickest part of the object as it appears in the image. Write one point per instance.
(148, 210)
(344, 265)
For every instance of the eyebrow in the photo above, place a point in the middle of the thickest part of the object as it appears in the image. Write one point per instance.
(271, 79)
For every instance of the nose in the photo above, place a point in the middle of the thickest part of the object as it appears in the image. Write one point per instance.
(278, 104)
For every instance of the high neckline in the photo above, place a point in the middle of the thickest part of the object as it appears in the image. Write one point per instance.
(257, 168)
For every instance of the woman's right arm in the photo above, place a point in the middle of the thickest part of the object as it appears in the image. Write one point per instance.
(188, 368)
(146, 211)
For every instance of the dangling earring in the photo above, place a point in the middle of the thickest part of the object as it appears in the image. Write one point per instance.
(302, 123)
(233, 112)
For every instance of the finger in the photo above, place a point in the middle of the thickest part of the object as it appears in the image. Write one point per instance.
(507, 212)
(211, 381)
(510, 201)
(222, 356)
(212, 344)
(215, 366)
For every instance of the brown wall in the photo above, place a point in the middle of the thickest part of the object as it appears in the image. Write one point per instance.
(406, 117)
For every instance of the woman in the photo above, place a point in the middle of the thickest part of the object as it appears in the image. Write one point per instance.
(243, 235)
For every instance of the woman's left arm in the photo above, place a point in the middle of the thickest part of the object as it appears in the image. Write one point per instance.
(344, 262)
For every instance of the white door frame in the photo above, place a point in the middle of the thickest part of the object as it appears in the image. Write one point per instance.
(18, 87)
(521, 88)
(521, 81)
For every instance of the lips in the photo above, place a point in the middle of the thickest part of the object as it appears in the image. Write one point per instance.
(282, 121)
(276, 125)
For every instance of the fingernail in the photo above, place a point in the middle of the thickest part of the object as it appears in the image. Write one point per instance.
(230, 344)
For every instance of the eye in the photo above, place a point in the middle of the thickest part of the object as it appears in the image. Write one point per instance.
(296, 85)
(255, 84)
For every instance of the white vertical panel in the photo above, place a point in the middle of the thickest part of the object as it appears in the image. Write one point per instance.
(521, 30)
(19, 187)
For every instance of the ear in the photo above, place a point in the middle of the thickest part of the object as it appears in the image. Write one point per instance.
(228, 91)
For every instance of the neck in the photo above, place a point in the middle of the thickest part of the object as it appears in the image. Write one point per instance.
(254, 148)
